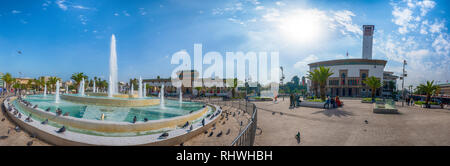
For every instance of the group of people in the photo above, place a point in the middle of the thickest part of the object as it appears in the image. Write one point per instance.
(410, 101)
(294, 100)
(333, 102)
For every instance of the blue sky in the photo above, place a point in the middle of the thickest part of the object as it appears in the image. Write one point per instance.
(60, 37)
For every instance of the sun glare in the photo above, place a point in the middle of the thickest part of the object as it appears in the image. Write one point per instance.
(302, 26)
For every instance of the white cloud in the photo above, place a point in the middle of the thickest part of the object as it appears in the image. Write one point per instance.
(425, 6)
(437, 27)
(344, 18)
(116, 14)
(125, 13)
(61, 4)
(15, 12)
(402, 17)
(302, 65)
(142, 11)
(442, 45)
(80, 7)
(279, 3)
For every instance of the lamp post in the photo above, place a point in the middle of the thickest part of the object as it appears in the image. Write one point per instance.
(403, 82)
(282, 78)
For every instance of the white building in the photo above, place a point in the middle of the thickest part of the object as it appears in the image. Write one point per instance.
(348, 74)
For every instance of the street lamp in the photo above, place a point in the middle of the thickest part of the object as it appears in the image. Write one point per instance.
(403, 81)
(282, 78)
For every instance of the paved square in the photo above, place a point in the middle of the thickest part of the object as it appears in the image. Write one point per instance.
(346, 125)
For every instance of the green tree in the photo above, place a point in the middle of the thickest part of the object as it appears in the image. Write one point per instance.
(78, 77)
(320, 76)
(429, 88)
(373, 83)
(52, 82)
(9, 80)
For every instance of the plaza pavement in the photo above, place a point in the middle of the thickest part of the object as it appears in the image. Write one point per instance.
(15, 138)
(346, 126)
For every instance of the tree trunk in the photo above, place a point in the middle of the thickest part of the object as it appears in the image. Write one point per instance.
(373, 93)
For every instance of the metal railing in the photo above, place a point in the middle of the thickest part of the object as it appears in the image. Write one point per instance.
(247, 136)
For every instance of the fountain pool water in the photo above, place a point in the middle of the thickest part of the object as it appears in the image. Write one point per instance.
(111, 114)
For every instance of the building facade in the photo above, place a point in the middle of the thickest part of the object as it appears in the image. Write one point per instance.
(348, 76)
(2, 83)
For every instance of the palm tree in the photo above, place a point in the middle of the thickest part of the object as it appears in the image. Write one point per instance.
(321, 76)
(428, 89)
(314, 79)
(78, 77)
(373, 83)
(52, 81)
(8, 79)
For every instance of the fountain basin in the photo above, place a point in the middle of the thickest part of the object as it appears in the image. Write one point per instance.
(70, 138)
(111, 126)
(115, 102)
(115, 95)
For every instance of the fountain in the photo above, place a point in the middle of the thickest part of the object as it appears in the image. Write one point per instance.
(161, 94)
(93, 89)
(181, 95)
(145, 90)
(110, 88)
(112, 97)
(81, 89)
(111, 118)
(132, 90)
(57, 92)
(45, 90)
(140, 88)
(113, 69)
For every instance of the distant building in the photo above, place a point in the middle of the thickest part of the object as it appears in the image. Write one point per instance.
(445, 89)
(349, 74)
(24, 81)
(192, 78)
(389, 83)
(2, 84)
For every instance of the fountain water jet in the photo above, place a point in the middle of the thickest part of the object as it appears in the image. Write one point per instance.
(132, 89)
(161, 94)
(93, 89)
(145, 90)
(110, 88)
(140, 88)
(113, 69)
(57, 92)
(181, 96)
(81, 89)
(45, 90)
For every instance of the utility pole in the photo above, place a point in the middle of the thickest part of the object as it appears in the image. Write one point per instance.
(403, 82)
(282, 78)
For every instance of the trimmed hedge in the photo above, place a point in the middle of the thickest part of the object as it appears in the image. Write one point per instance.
(423, 102)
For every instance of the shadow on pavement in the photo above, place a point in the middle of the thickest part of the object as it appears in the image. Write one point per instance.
(334, 112)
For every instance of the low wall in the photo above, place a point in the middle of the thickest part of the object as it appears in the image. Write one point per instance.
(48, 134)
(106, 126)
(312, 104)
(115, 95)
(111, 102)
(384, 110)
